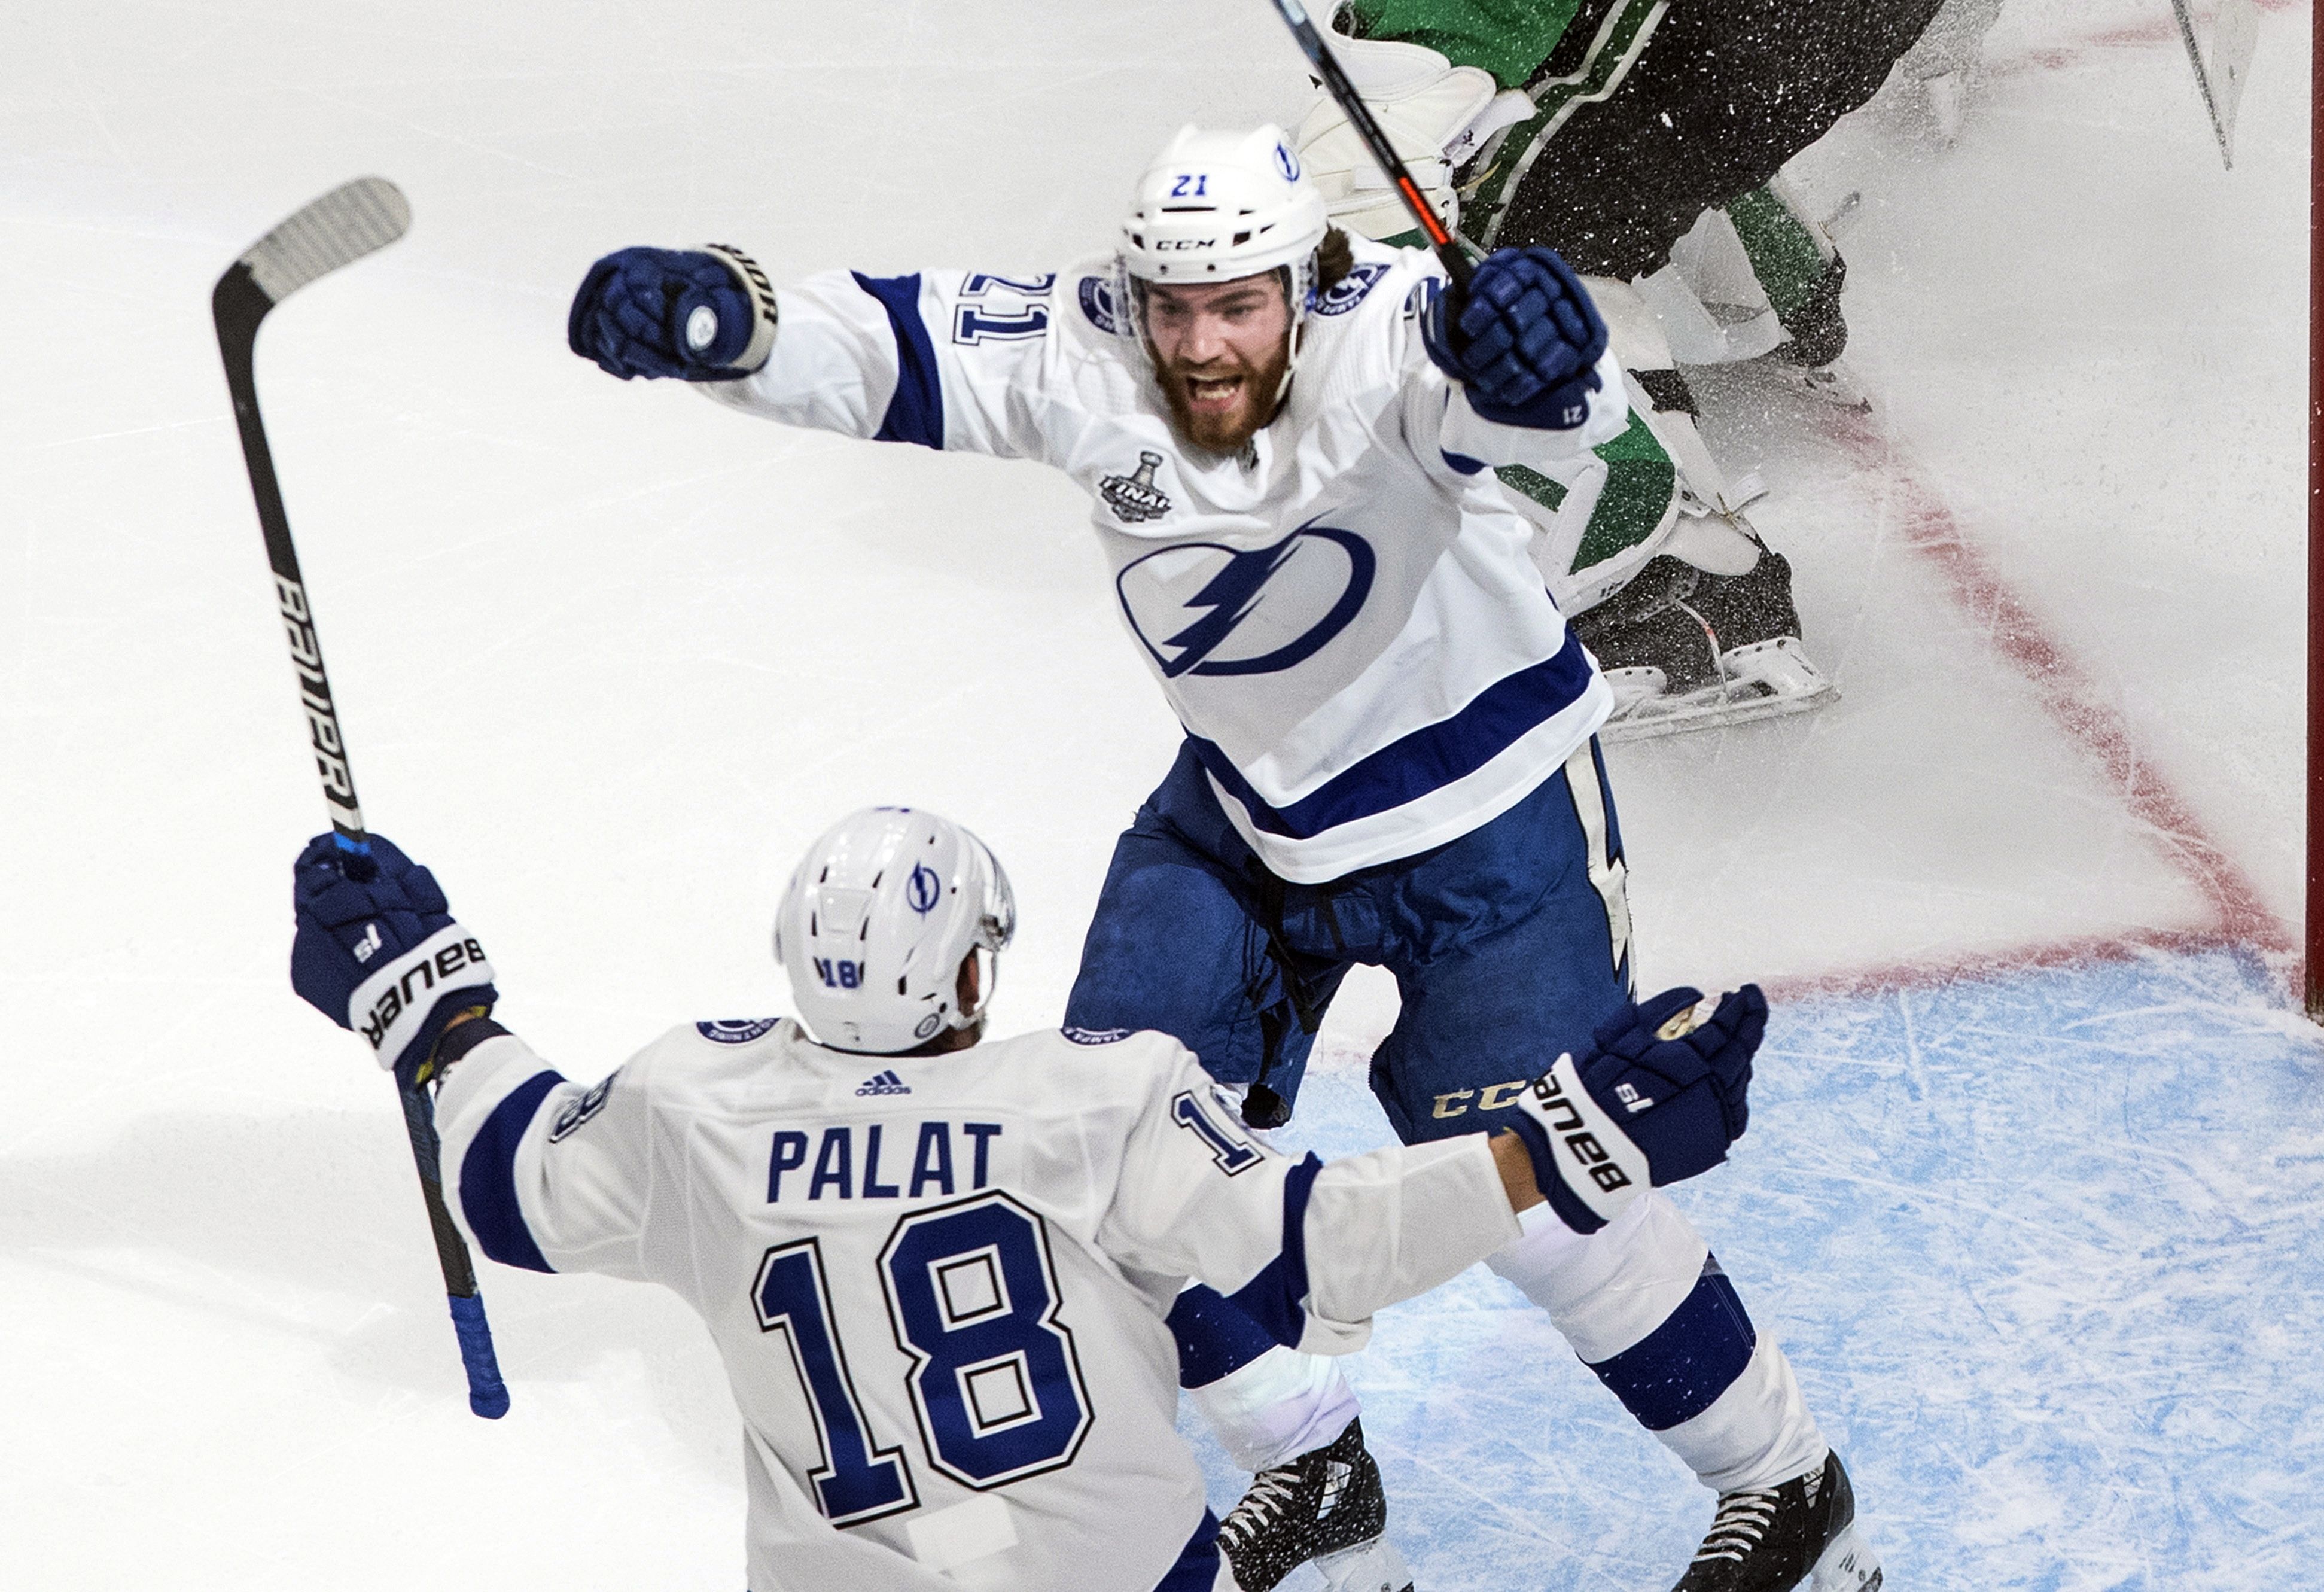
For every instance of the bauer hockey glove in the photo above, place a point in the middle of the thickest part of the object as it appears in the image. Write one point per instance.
(382, 955)
(1525, 342)
(1657, 1099)
(699, 315)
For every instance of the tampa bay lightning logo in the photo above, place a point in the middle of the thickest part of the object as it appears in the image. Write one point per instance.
(1096, 295)
(923, 889)
(1287, 162)
(1201, 607)
(736, 1031)
(1349, 292)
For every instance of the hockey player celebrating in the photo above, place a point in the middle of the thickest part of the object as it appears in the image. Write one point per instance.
(1390, 757)
(938, 1275)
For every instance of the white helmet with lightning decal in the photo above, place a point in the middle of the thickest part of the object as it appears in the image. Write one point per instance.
(876, 922)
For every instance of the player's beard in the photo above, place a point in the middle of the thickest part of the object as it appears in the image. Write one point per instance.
(1225, 428)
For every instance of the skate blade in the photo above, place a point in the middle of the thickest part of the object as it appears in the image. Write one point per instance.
(1848, 1564)
(1832, 384)
(1717, 707)
(1369, 1566)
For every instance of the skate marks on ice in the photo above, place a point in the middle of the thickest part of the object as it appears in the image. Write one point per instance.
(1936, 817)
(2041, 1247)
(2087, 712)
(2073, 49)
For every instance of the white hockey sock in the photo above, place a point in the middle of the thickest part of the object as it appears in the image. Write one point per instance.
(1606, 1292)
(1758, 1433)
(1278, 1407)
(1609, 1289)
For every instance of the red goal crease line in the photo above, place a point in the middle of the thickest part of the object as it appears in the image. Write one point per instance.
(2239, 919)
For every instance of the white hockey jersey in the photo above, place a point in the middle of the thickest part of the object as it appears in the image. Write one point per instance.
(1345, 618)
(938, 1283)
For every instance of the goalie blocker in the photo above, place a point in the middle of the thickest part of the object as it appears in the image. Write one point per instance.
(1658, 1099)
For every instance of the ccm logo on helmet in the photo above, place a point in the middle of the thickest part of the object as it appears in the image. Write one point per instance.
(1185, 243)
(437, 969)
(1565, 1120)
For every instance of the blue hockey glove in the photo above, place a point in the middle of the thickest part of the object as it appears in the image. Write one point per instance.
(1526, 341)
(382, 954)
(1657, 1099)
(699, 315)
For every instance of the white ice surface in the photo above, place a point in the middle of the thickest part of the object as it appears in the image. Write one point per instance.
(608, 656)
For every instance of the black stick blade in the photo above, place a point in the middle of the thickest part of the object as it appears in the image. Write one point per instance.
(345, 225)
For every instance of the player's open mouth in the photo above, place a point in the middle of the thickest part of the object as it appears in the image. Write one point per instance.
(1213, 394)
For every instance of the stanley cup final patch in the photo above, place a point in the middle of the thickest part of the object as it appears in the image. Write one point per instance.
(1135, 498)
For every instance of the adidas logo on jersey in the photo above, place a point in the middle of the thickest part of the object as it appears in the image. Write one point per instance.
(885, 1083)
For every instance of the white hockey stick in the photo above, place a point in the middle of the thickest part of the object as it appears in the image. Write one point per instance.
(352, 221)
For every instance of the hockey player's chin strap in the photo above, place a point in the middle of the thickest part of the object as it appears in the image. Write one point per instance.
(1298, 335)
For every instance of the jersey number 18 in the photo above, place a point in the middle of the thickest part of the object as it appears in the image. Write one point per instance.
(995, 1382)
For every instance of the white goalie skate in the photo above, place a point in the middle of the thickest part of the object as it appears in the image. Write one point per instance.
(1760, 679)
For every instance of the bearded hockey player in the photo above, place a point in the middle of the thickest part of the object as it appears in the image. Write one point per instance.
(1287, 436)
(1644, 142)
(938, 1276)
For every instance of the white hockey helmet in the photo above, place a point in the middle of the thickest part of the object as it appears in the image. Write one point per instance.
(876, 921)
(1218, 205)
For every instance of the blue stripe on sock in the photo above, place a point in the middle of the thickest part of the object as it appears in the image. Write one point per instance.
(1214, 1338)
(915, 413)
(1678, 1370)
(488, 1177)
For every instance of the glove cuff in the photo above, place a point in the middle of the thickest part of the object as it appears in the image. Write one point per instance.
(1561, 408)
(391, 1008)
(762, 293)
(1588, 1167)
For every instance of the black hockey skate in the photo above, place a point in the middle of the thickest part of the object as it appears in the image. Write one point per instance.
(1326, 1505)
(1685, 649)
(1801, 1533)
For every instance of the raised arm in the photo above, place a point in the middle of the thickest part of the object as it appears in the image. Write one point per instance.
(1531, 377)
(948, 359)
(538, 1171)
